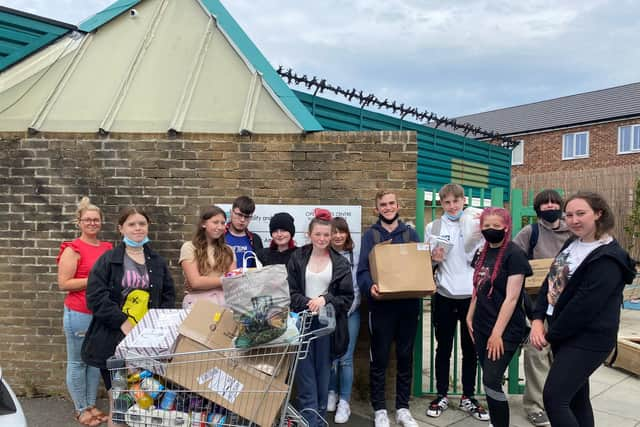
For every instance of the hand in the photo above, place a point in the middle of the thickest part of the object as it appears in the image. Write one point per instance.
(126, 327)
(315, 304)
(470, 327)
(537, 336)
(437, 254)
(375, 291)
(495, 347)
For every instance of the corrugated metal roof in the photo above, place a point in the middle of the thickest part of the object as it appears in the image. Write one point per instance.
(443, 157)
(22, 34)
(106, 15)
(583, 108)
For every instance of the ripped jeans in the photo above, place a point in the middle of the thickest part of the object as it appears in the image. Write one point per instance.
(82, 379)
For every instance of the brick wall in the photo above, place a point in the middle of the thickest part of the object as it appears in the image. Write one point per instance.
(42, 179)
(543, 151)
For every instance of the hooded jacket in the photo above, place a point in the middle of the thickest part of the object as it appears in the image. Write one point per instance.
(339, 294)
(550, 239)
(587, 313)
(104, 298)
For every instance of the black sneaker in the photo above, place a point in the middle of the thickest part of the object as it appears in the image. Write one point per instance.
(472, 406)
(437, 406)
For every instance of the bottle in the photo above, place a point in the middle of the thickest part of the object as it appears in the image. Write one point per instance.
(138, 376)
(118, 381)
(168, 400)
(120, 407)
(152, 386)
(144, 401)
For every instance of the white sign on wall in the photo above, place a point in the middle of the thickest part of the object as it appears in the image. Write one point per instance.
(302, 215)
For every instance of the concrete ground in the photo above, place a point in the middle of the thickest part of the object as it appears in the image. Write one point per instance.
(614, 396)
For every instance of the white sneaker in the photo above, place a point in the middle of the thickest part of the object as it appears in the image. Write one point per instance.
(381, 418)
(404, 418)
(331, 401)
(343, 413)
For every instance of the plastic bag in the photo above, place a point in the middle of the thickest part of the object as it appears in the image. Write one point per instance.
(470, 225)
(259, 299)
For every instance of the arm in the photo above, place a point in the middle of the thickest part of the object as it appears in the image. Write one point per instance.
(67, 266)
(342, 297)
(364, 275)
(495, 346)
(198, 282)
(99, 301)
(470, 313)
(299, 300)
(540, 307)
(592, 294)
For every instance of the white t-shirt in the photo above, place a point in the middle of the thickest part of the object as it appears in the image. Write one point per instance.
(317, 284)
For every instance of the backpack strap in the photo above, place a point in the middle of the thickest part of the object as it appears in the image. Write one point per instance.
(533, 239)
(406, 235)
(377, 237)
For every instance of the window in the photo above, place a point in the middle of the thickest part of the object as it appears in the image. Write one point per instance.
(575, 145)
(517, 154)
(628, 139)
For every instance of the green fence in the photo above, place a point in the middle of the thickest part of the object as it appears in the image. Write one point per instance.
(426, 200)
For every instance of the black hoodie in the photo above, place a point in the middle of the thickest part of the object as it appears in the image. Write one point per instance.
(587, 313)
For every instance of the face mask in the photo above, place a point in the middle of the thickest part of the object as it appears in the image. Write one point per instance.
(492, 235)
(132, 244)
(388, 221)
(550, 215)
(454, 217)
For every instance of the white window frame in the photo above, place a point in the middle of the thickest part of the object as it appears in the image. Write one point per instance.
(633, 130)
(573, 155)
(518, 161)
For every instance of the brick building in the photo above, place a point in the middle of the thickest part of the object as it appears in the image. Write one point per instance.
(586, 141)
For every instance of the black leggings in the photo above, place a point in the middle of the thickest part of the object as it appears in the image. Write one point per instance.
(492, 375)
(566, 391)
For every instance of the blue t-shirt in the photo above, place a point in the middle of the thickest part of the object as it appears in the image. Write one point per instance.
(240, 245)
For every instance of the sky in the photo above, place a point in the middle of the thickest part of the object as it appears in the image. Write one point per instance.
(451, 57)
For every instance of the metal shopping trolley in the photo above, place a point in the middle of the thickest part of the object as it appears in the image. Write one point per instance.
(221, 387)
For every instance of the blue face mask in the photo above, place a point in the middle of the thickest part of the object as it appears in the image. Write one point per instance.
(133, 244)
(454, 217)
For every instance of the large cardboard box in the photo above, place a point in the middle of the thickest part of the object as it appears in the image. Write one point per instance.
(230, 378)
(628, 357)
(402, 270)
(151, 339)
(540, 269)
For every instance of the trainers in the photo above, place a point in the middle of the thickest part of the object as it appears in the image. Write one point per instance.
(538, 419)
(404, 418)
(343, 412)
(331, 401)
(437, 406)
(472, 406)
(381, 418)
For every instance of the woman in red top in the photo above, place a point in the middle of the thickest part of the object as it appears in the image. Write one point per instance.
(74, 264)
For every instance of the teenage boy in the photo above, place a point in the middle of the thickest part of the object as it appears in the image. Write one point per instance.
(450, 303)
(544, 239)
(238, 235)
(392, 320)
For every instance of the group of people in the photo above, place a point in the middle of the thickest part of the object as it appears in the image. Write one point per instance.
(576, 312)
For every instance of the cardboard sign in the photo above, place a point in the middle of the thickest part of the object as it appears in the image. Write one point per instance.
(402, 270)
(540, 269)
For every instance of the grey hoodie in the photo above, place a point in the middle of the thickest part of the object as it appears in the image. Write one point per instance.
(550, 240)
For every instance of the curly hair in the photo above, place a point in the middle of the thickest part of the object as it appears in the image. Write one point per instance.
(222, 254)
(506, 219)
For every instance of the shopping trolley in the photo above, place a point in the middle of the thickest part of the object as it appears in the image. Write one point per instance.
(221, 387)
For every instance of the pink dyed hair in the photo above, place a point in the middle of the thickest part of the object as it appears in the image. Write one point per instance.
(506, 219)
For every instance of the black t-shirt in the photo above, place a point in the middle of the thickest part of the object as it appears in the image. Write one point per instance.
(514, 262)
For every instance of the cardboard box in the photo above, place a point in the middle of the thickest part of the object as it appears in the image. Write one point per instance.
(628, 357)
(540, 269)
(226, 376)
(402, 270)
(153, 337)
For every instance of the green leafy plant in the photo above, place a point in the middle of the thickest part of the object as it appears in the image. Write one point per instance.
(632, 224)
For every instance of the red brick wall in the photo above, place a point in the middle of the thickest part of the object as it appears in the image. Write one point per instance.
(543, 151)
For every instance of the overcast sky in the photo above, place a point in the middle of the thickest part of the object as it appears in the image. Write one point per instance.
(451, 57)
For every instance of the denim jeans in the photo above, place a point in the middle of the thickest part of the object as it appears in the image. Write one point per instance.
(82, 379)
(312, 380)
(342, 369)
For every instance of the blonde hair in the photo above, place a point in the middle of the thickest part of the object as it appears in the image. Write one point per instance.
(86, 205)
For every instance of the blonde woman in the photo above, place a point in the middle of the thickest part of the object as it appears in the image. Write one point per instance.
(75, 260)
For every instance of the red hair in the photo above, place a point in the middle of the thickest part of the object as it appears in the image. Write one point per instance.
(506, 220)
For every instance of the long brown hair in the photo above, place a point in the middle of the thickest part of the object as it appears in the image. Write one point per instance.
(222, 254)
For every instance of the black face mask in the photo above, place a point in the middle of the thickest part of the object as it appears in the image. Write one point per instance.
(388, 221)
(551, 215)
(492, 235)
